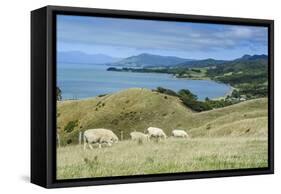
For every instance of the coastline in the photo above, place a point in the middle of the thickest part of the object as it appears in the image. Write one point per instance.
(227, 91)
(227, 94)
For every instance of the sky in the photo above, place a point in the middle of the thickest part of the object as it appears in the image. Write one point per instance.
(127, 37)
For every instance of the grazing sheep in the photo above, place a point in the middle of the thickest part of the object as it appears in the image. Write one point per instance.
(139, 136)
(99, 136)
(156, 133)
(179, 133)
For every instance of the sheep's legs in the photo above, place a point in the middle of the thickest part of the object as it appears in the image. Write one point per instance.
(99, 145)
(91, 147)
(85, 144)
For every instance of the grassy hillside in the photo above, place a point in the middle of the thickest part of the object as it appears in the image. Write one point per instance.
(138, 109)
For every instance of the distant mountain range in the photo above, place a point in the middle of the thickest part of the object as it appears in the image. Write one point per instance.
(201, 63)
(250, 63)
(246, 59)
(84, 58)
(252, 57)
(149, 60)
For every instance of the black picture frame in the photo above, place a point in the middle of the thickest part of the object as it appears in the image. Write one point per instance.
(43, 96)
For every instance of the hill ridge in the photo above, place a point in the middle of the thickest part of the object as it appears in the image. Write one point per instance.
(139, 108)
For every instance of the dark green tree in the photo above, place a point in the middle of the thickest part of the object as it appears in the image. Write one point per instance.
(59, 97)
(187, 94)
(235, 94)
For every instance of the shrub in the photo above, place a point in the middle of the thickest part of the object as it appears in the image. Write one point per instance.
(196, 70)
(70, 126)
(194, 104)
(166, 91)
(102, 95)
(59, 97)
(184, 93)
(69, 141)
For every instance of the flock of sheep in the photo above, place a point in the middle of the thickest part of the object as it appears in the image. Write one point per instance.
(106, 136)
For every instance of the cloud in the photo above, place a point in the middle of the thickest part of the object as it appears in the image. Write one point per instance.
(159, 35)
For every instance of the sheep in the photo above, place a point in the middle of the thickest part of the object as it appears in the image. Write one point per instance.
(156, 133)
(179, 133)
(139, 136)
(99, 136)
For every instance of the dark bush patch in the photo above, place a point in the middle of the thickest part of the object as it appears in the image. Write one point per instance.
(69, 141)
(102, 95)
(166, 91)
(190, 100)
(70, 126)
(196, 70)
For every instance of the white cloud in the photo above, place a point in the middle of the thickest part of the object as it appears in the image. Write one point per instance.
(146, 34)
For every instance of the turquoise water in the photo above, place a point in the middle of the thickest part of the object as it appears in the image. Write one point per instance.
(84, 81)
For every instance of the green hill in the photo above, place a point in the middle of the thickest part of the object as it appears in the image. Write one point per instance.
(138, 109)
(149, 60)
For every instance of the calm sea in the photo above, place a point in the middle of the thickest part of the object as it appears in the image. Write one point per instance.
(84, 81)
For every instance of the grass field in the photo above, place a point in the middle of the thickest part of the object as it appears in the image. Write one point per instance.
(195, 74)
(172, 155)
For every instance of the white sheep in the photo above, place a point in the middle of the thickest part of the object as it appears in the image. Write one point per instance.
(156, 133)
(139, 136)
(99, 136)
(179, 133)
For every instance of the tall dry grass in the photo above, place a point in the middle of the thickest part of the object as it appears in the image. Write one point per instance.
(171, 155)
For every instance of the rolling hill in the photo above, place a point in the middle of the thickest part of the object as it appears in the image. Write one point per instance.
(245, 60)
(146, 60)
(149, 60)
(137, 109)
(201, 63)
(245, 70)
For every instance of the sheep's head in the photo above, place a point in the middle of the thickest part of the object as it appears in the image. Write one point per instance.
(114, 139)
